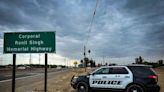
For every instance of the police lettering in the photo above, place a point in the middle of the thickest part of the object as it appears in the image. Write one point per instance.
(106, 82)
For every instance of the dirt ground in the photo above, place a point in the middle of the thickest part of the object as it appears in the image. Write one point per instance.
(61, 83)
(160, 73)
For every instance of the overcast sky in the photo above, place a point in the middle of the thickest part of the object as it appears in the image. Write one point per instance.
(121, 31)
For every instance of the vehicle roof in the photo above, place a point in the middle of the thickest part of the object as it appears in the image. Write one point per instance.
(140, 65)
(127, 65)
(113, 66)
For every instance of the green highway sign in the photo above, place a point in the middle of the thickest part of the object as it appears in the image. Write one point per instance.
(29, 42)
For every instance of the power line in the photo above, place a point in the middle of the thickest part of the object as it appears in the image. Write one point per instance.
(91, 23)
(39, 59)
(30, 60)
(90, 29)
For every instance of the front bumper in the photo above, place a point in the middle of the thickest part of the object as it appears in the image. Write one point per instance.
(73, 85)
(73, 82)
(153, 88)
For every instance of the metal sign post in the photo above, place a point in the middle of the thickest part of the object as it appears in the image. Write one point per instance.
(45, 83)
(14, 70)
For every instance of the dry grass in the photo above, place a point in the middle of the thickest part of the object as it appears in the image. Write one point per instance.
(60, 83)
(160, 72)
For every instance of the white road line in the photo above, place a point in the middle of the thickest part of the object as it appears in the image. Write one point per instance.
(31, 76)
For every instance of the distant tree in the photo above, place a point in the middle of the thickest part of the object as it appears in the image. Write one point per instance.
(75, 63)
(112, 64)
(106, 64)
(99, 65)
(92, 63)
(86, 61)
(146, 62)
(53, 66)
(140, 60)
(82, 62)
(160, 62)
(136, 60)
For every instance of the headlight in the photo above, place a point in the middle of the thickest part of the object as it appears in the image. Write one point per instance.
(74, 79)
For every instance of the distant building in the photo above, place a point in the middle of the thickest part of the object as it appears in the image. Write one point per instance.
(160, 62)
(80, 65)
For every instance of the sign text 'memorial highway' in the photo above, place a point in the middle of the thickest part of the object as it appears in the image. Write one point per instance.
(29, 42)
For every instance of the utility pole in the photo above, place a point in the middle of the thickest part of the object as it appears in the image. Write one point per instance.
(30, 61)
(84, 52)
(89, 57)
(65, 63)
(84, 58)
(39, 59)
(103, 60)
(1, 59)
(68, 63)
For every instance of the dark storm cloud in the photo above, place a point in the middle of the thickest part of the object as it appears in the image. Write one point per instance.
(38, 14)
(9, 15)
(151, 14)
(136, 22)
(154, 40)
(25, 12)
(121, 28)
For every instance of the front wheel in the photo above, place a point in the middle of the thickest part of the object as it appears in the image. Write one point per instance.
(82, 87)
(135, 88)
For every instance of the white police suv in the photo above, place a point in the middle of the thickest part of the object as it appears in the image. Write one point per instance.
(131, 78)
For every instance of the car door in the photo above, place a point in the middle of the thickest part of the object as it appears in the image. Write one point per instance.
(119, 77)
(111, 77)
(98, 78)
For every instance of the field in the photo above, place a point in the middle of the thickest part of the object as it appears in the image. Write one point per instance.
(58, 86)
(57, 82)
(160, 73)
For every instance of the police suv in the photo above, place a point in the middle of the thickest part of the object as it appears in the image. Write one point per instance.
(130, 78)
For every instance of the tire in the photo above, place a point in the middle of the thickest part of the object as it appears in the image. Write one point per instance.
(82, 87)
(135, 88)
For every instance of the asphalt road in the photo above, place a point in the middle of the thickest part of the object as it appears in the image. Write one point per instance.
(27, 83)
(7, 74)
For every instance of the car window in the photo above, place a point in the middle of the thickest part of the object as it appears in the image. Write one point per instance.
(140, 70)
(118, 70)
(102, 71)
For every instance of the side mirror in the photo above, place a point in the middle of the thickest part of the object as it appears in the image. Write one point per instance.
(92, 74)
